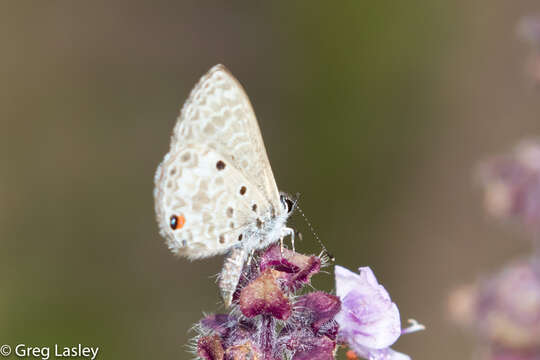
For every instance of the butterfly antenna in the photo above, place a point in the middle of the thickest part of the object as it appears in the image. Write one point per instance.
(325, 251)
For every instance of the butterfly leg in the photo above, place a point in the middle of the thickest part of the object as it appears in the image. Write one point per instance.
(287, 231)
(250, 257)
(231, 273)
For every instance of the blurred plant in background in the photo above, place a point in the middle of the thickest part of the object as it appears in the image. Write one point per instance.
(528, 30)
(512, 185)
(503, 310)
(271, 320)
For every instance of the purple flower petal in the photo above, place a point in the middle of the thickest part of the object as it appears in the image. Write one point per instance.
(322, 309)
(216, 323)
(364, 282)
(310, 347)
(368, 317)
(299, 267)
(264, 296)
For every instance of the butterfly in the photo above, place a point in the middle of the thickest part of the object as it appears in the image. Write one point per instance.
(215, 192)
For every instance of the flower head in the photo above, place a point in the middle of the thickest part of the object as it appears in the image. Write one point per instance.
(268, 320)
(369, 321)
(504, 310)
(528, 30)
(512, 184)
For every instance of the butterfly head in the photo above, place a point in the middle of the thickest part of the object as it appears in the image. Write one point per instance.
(288, 202)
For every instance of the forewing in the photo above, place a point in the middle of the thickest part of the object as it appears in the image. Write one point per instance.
(213, 199)
(218, 114)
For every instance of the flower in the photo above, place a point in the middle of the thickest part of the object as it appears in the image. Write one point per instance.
(268, 321)
(504, 309)
(512, 184)
(264, 296)
(369, 321)
(528, 30)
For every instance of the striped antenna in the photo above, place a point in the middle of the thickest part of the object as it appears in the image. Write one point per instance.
(325, 250)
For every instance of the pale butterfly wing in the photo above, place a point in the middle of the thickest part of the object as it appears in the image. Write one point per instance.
(216, 178)
(214, 200)
(218, 113)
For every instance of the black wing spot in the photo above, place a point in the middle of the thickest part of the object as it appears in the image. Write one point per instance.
(220, 165)
(254, 207)
(173, 222)
(243, 190)
(240, 237)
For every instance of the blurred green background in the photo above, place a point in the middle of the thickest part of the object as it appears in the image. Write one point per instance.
(375, 111)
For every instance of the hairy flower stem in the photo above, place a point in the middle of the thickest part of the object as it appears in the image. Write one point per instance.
(267, 337)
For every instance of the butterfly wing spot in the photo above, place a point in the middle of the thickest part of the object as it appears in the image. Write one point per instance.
(188, 159)
(173, 221)
(231, 225)
(180, 203)
(210, 231)
(199, 200)
(243, 190)
(254, 208)
(259, 223)
(203, 186)
(219, 181)
(240, 237)
(218, 121)
(220, 165)
(209, 129)
(222, 239)
(230, 212)
(206, 217)
(177, 222)
(181, 222)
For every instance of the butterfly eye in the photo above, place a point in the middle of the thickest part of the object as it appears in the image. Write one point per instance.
(177, 222)
(288, 204)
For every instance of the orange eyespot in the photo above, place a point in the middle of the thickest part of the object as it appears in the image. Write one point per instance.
(177, 222)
